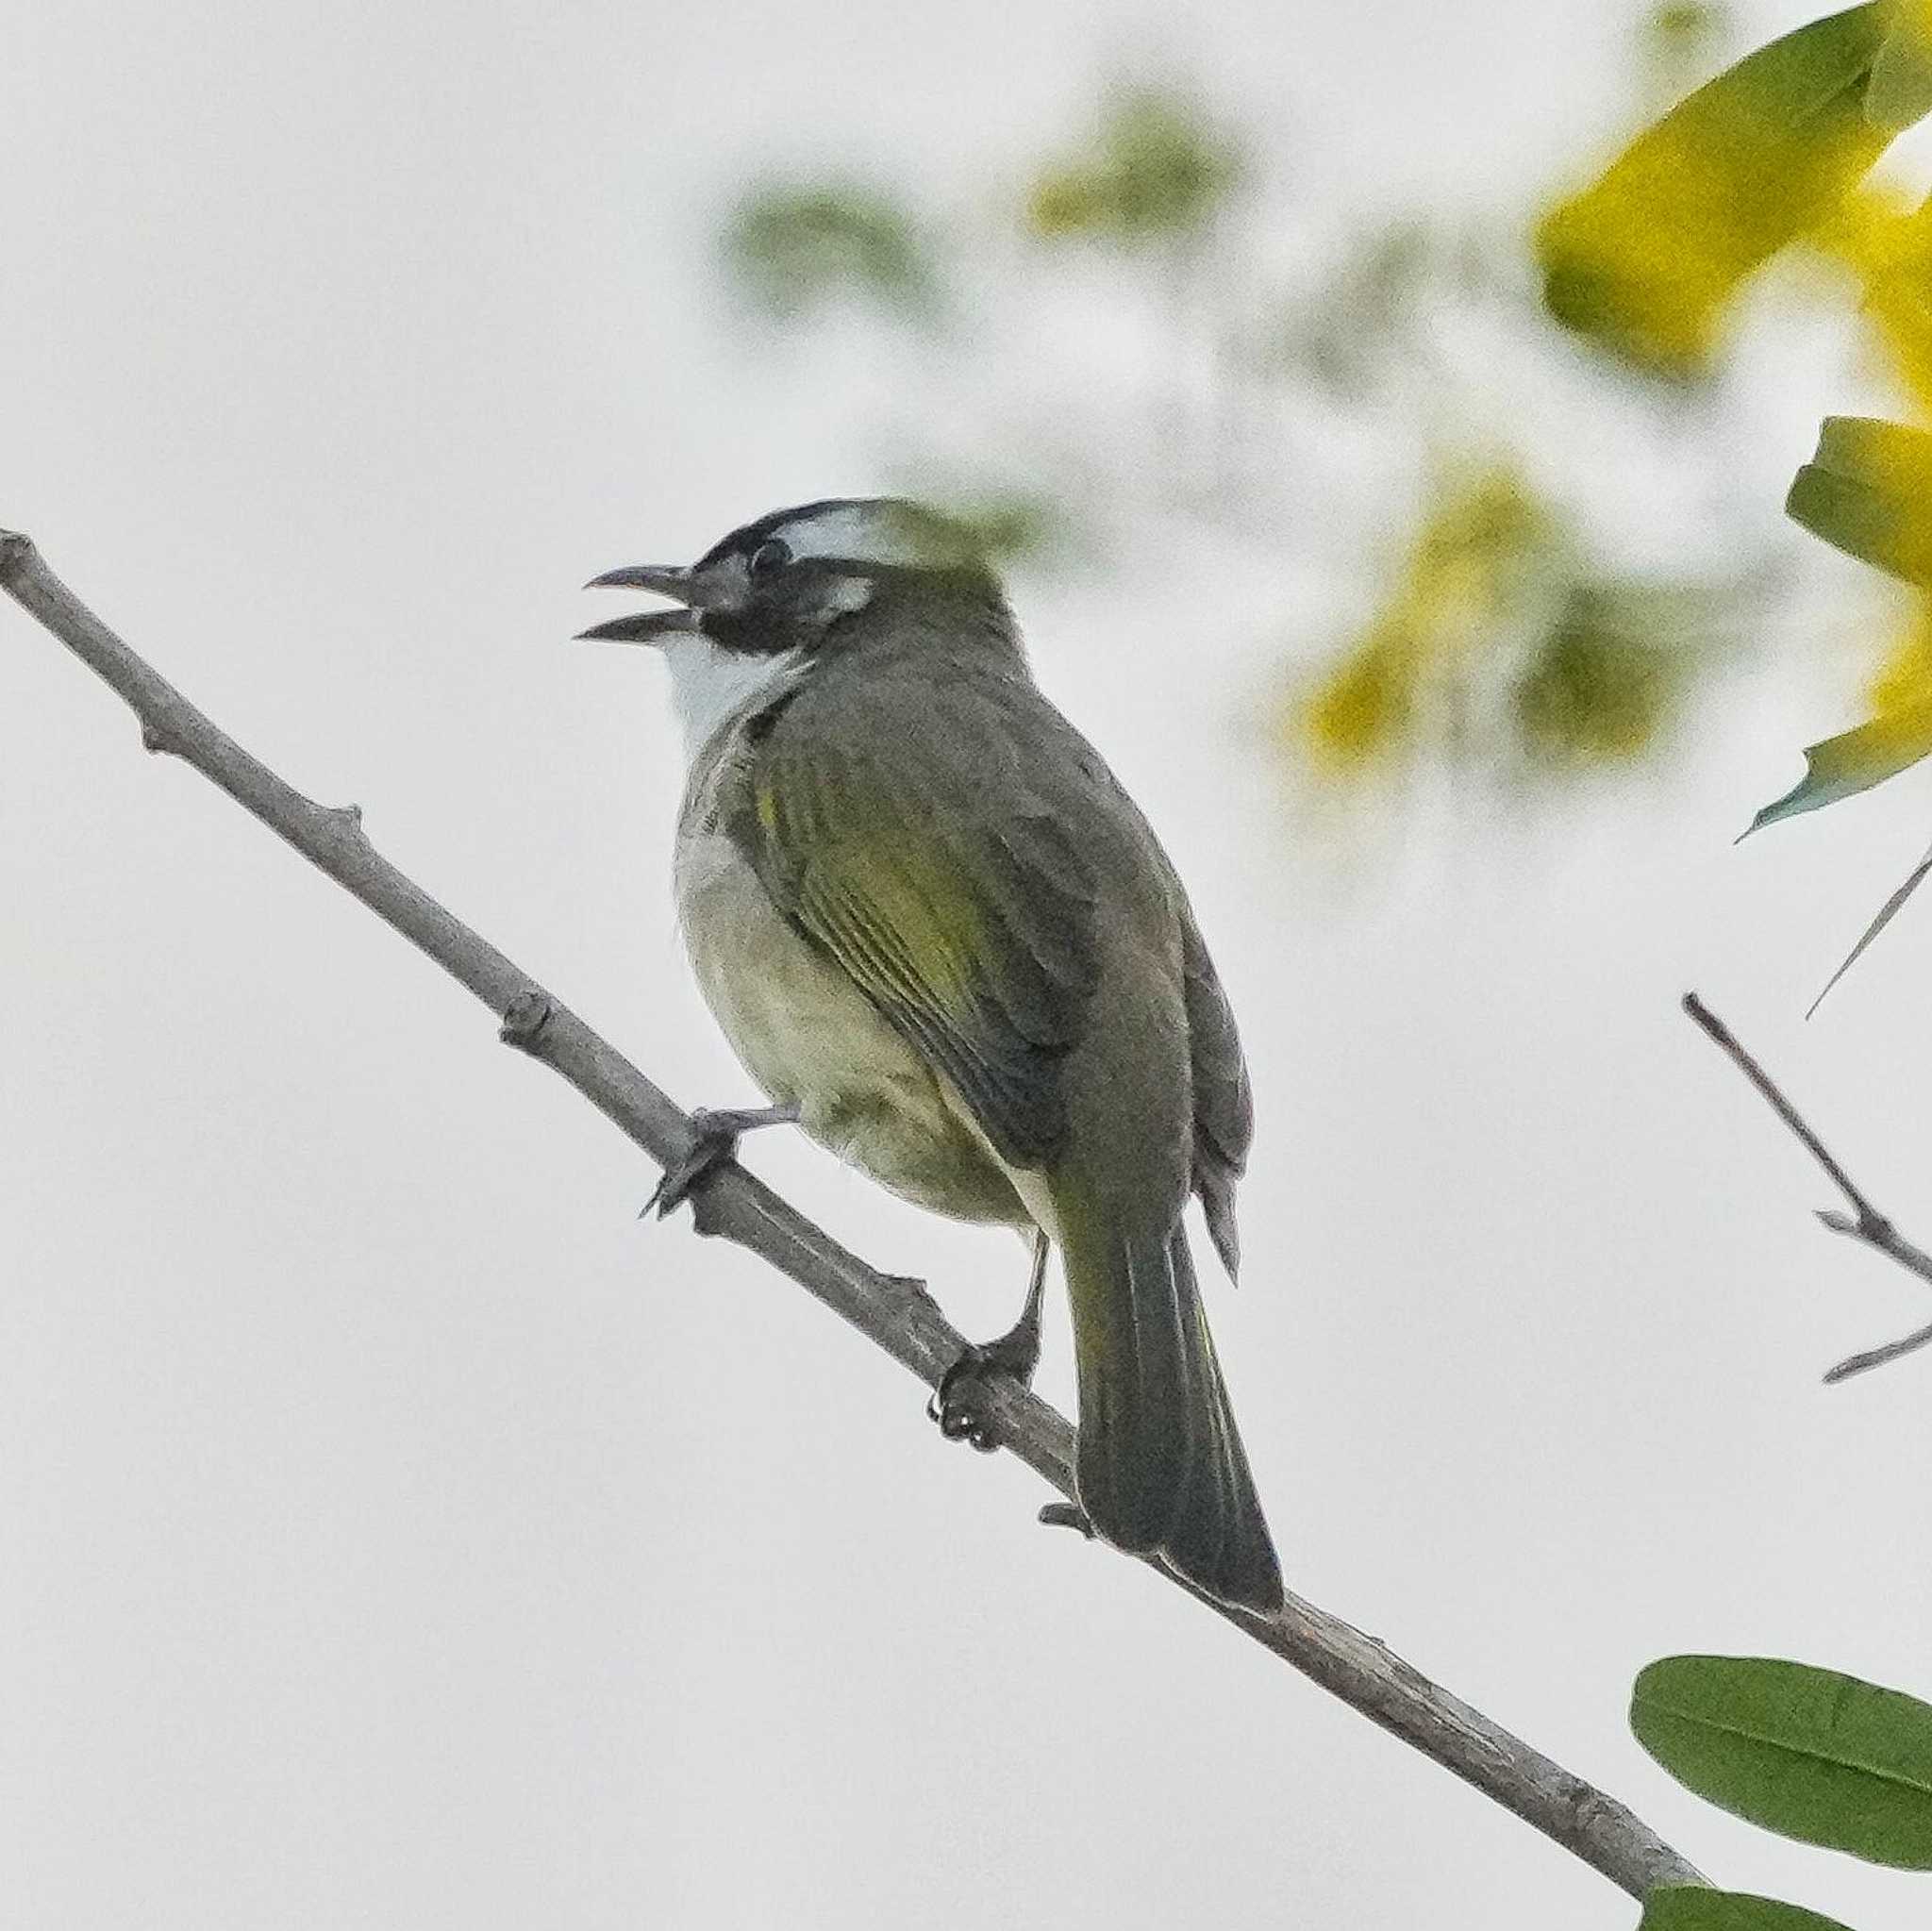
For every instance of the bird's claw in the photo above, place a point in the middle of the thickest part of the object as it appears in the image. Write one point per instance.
(960, 1404)
(714, 1144)
(675, 1185)
(956, 1405)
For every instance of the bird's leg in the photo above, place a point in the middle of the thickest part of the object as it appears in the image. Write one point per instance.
(716, 1142)
(959, 1404)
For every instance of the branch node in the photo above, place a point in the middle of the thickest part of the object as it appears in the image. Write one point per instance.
(347, 817)
(1865, 1223)
(154, 739)
(1590, 1806)
(525, 1018)
(913, 1292)
(1064, 1515)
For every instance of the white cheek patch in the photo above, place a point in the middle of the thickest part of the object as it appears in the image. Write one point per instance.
(841, 596)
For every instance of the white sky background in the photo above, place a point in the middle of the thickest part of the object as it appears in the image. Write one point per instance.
(392, 1532)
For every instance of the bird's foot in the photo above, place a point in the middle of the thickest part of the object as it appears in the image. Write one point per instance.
(961, 1402)
(715, 1143)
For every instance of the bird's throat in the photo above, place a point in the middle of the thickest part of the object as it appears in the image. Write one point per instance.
(710, 686)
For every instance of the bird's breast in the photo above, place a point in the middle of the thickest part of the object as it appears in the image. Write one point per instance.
(811, 1038)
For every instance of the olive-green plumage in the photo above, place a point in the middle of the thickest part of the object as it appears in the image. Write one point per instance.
(925, 912)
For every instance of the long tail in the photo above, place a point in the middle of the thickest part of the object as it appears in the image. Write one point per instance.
(1160, 1464)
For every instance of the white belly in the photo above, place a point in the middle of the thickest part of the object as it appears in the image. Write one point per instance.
(811, 1038)
(802, 1029)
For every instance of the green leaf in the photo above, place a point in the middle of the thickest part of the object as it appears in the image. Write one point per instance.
(1809, 1753)
(1645, 260)
(1851, 762)
(1868, 490)
(1694, 1907)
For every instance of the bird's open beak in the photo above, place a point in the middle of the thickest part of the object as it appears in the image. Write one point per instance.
(647, 626)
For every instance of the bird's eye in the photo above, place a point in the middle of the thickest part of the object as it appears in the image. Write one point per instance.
(769, 558)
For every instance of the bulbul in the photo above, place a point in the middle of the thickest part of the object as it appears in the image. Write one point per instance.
(940, 935)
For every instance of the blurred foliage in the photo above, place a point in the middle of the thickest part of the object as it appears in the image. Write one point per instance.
(1675, 41)
(793, 248)
(1605, 678)
(1901, 89)
(1886, 245)
(1865, 491)
(1375, 295)
(1156, 169)
(1854, 761)
(1484, 541)
(1007, 527)
(1190, 357)
(1905, 675)
(1502, 641)
(1896, 736)
(1647, 259)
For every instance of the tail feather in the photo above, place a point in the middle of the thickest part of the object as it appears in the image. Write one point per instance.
(1161, 1469)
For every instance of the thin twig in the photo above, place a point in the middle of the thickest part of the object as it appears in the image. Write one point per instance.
(1868, 1215)
(1864, 1223)
(895, 1314)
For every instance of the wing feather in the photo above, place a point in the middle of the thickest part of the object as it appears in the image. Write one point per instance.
(960, 906)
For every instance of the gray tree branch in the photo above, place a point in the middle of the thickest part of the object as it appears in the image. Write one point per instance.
(896, 1315)
(1864, 1223)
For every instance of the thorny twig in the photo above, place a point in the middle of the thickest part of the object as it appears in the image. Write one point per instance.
(1864, 1222)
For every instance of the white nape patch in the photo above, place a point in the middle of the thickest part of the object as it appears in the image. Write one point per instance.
(884, 532)
(709, 686)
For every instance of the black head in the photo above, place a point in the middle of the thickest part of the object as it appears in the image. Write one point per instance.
(786, 582)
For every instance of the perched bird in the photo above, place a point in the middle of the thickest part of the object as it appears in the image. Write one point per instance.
(941, 936)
